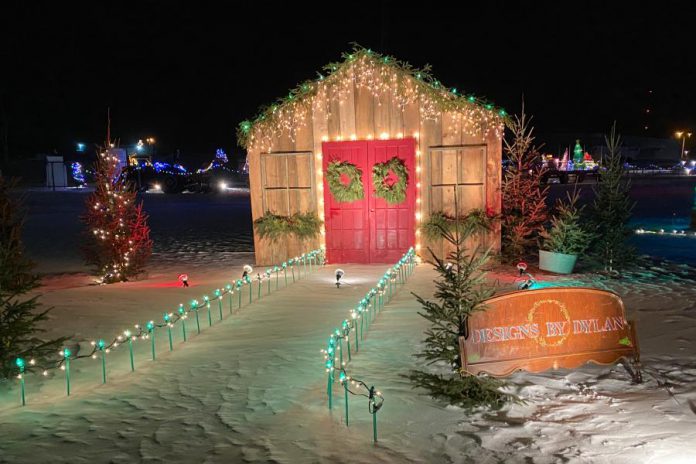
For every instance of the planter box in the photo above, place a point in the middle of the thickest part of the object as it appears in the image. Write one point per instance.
(559, 263)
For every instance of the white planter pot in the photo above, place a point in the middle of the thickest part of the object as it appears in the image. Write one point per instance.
(558, 263)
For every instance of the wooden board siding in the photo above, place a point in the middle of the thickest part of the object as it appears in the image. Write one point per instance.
(363, 115)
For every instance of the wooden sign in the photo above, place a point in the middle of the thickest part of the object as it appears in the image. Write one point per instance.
(536, 330)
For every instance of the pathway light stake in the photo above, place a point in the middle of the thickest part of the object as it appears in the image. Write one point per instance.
(194, 308)
(218, 295)
(207, 306)
(151, 333)
(129, 336)
(66, 355)
(167, 321)
(20, 365)
(228, 287)
(183, 316)
(101, 346)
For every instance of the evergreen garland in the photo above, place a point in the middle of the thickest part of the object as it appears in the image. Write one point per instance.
(475, 221)
(393, 194)
(567, 235)
(276, 227)
(443, 97)
(612, 209)
(354, 190)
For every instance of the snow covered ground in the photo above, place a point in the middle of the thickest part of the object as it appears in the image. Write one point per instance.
(252, 387)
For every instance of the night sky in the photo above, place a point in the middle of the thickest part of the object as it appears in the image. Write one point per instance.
(187, 74)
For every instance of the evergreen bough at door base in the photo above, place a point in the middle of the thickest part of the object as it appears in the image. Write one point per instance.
(354, 190)
(393, 194)
(275, 227)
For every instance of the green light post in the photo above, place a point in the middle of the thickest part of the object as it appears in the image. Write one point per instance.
(268, 278)
(66, 356)
(248, 281)
(167, 320)
(207, 306)
(292, 269)
(218, 295)
(346, 335)
(276, 270)
(128, 335)
(344, 381)
(194, 308)
(182, 316)
(239, 293)
(151, 332)
(285, 273)
(228, 287)
(20, 365)
(101, 346)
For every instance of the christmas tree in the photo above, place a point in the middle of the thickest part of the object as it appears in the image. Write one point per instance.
(577, 153)
(612, 209)
(524, 210)
(19, 318)
(568, 233)
(118, 238)
(460, 291)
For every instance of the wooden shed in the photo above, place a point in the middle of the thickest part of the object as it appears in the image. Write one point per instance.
(434, 148)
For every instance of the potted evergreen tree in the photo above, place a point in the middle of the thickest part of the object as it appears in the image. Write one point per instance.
(566, 239)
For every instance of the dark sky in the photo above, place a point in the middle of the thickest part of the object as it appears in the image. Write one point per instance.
(187, 74)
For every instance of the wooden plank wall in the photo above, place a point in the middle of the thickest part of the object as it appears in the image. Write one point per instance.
(365, 116)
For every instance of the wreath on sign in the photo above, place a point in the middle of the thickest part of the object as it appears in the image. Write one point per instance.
(351, 191)
(396, 192)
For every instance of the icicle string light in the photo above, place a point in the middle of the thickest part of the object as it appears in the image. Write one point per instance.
(147, 330)
(386, 79)
(360, 317)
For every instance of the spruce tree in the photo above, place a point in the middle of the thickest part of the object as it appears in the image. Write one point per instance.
(20, 317)
(117, 238)
(461, 290)
(524, 210)
(569, 233)
(611, 210)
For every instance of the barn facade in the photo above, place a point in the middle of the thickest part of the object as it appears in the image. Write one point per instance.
(371, 149)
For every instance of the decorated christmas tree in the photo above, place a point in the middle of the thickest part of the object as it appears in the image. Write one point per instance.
(612, 209)
(577, 153)
(524, 210)
(461, 290)
(19, 319)
(118, 238)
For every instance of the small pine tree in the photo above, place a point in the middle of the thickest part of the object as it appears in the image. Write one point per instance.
(19, 318)
(567, 233)
(611, 210)
(524, 210)
(117, 238)
(461, 291)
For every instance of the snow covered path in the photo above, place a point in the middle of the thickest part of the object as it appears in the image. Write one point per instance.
(250, 388)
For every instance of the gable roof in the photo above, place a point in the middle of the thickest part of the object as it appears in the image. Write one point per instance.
(376, 72)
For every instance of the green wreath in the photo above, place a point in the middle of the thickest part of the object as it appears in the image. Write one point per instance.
(345, 193)
(395, 193)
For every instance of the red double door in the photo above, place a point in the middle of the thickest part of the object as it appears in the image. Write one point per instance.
(370, 230)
